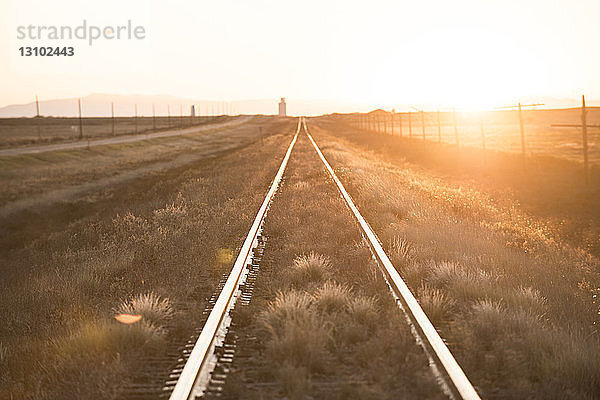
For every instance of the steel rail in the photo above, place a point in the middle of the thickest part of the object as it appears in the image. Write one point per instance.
(454, 377)
(199, 359)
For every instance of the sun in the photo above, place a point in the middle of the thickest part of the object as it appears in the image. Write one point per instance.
(466, 69)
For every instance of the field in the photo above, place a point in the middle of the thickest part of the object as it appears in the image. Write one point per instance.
(502, 256)
(24, 131)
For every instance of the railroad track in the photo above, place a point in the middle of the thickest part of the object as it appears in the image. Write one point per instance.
(205, 362)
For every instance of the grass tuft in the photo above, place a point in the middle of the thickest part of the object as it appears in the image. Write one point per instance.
(309, 269)
(332, 297)
(402, 252)
(294, 380)
(156, 311)
(107, 337)
(287, 306)
(299, 335)
(526, 299)
(436, 304)
(365, 311)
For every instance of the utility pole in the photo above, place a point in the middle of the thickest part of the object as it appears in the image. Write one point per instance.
(409, 124)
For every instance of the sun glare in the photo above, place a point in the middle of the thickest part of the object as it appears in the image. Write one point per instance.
(469, 70)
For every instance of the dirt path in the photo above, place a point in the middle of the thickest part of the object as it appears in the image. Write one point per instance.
(120, 139)
(205, 146)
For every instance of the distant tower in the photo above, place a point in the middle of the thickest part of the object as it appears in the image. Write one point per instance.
(193, 111)
(282, 112)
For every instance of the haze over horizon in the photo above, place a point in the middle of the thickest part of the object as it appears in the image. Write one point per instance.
(469, 54)
(99, 105)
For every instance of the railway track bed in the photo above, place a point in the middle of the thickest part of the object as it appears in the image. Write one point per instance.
(317, 319)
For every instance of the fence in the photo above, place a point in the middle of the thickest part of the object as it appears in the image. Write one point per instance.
(18, 131)
(565, 133)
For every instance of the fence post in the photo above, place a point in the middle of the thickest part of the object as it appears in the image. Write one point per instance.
(80, 120)
(385, 124)
(400, 123)
(522, 128)
(423, 123)
(112, 117)
(439, 121)
(37, 116)
(455, 126)
(409, 124)
(585, 140)
(136, 121)
(482, 140)
(482, 133)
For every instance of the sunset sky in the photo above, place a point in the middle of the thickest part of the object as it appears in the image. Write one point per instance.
(464, 53)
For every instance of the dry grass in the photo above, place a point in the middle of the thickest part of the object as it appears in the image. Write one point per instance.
(332, 297)
(309, 268)
(365, 311)
(155, 310)
(24, 131)
(515, 300)
(437, 304)
(298, 334)
(369, 352)
(68, 268)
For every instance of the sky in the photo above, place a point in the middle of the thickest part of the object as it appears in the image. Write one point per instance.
(431, 53)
